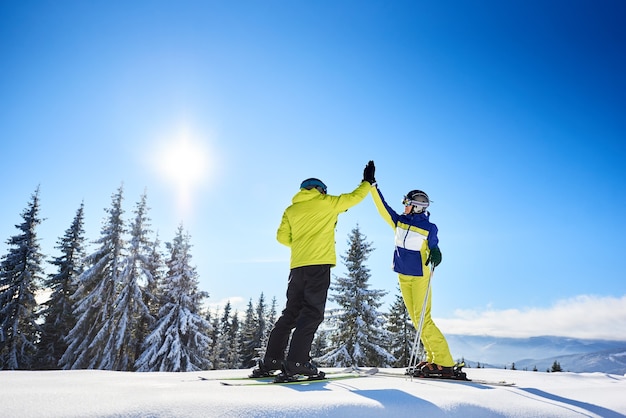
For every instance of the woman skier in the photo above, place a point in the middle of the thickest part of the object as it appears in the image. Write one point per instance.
(416, 247)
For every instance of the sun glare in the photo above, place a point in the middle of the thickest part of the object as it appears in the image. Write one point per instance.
(183, 161)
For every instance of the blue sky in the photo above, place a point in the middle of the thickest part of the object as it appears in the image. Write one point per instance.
(510, 115)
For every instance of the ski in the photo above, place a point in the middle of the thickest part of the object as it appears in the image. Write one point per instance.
(260, 379)
(217, 379)
(273, 376)
(449, 379)
(468, 381)
(301, 379)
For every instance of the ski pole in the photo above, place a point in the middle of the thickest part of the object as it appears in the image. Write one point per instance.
(413, 348)
(418, 334)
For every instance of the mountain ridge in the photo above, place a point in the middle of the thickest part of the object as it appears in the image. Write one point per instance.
(573, 354)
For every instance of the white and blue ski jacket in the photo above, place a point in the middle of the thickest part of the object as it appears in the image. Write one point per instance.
(415, 235)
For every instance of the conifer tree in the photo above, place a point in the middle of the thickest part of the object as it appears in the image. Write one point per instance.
(358, 337)
(213, 351)
(152, 292)
(94, 301)
(179, 341)
(556, 367)
(233, 358)
(224, 344)
(269, 321)
(58, 316)
(401, 331)
(261, 325)
(247, 337)
(130, 311)
(21, 276)
(320, 343)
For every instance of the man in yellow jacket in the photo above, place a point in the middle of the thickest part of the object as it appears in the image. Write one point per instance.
(308, 228)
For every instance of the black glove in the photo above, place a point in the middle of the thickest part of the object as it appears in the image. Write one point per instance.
(434, 256)
(368, 173)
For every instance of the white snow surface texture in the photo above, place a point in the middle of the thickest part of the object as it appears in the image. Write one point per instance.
(93, 393)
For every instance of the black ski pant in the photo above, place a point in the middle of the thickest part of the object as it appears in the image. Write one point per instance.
(304, 311)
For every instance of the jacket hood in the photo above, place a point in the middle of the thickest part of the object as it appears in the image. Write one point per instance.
(303, 195)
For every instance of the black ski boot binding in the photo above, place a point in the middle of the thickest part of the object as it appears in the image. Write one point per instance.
(430, 370)
(265, 368)
(413, 371)
(458, 373)
(292, 370)
(436, 371)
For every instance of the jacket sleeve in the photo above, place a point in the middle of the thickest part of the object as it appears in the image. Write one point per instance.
(433, 237)
(283, 235)
(345, 201)
(388, 214)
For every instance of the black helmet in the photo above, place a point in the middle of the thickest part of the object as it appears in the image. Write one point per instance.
(314, 183)
(418, 199)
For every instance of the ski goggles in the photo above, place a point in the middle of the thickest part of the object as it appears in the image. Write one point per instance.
(408, 202)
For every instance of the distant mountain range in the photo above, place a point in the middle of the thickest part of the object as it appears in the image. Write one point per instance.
(574, 355)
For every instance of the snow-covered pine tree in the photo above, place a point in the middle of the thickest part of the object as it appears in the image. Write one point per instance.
(261, 324)
(179, 341)
(320, 343)
(401, 331)
(58, 313)
(152, 292)
(213, 351)
(358, 337)
(94, 301)
(130, 311)
(269, 321)
(249, 348)
(223, 345)
(21, 276)
(233, 358)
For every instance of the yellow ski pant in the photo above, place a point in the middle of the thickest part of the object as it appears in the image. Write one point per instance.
(413, 290)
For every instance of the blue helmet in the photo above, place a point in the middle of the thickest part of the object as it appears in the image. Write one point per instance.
(314, 183)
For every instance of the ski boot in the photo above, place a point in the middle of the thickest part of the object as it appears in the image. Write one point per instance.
(435, 370)
(266, 367)
(292, 369)
(432, 370)
(410, 371)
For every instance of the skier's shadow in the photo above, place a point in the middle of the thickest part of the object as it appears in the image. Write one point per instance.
(596, 409)
(396, 402)
(392, 401)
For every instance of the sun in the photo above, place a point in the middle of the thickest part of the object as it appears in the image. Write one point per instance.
(183, 161)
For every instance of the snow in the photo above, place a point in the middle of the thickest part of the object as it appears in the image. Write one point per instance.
(95, 393)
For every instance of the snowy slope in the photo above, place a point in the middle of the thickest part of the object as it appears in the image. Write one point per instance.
(90, 393)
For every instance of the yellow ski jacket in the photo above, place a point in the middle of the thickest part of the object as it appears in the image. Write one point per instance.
(308, 225)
